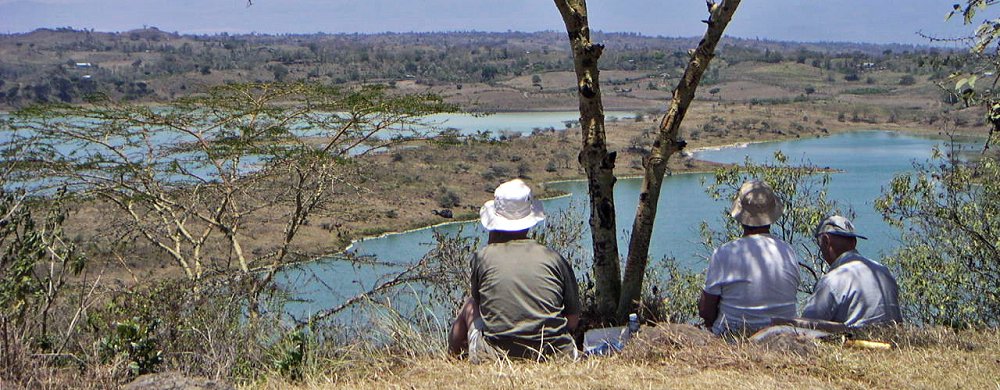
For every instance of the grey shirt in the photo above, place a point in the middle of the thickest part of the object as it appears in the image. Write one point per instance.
(525, 290)
(857, 291)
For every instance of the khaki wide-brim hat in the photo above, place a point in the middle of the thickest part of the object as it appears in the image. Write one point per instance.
(756, 204)
(512, 209)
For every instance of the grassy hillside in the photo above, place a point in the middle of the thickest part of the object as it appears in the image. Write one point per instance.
(128, 313)
(920, 358)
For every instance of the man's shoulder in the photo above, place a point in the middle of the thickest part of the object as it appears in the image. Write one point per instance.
(859, 264)
(753, 240)
(521, 247)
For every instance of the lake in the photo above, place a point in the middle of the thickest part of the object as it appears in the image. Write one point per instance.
(515, 122)
(865, 162)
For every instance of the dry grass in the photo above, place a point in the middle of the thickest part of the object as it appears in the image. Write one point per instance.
(921, 358)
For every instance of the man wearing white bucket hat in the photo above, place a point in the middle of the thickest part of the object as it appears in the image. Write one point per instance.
(857, 291)
(753, 278)
(524, 300)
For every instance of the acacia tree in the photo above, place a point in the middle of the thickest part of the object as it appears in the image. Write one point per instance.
(196, 177)
(616, 297)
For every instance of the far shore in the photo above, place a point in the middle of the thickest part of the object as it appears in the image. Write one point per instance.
(402, 187)
(687, 153)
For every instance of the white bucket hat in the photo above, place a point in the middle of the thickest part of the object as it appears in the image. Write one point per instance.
(512, 208)
(756, 204)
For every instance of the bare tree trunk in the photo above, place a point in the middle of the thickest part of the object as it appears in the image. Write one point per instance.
(666, 144)
(595, 158)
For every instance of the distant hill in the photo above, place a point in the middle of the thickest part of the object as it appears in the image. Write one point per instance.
(152, 65)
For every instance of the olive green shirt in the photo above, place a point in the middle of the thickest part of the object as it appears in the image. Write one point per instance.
(524, 291)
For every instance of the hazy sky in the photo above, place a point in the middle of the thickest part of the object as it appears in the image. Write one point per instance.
(878, 21)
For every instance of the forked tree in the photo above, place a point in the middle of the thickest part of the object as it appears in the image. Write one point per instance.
(618, 294)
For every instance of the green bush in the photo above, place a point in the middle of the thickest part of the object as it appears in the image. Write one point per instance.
(868, 91)
(948, 213)
(803, 191)
(134, 340)
(672, 293)
(447, 198)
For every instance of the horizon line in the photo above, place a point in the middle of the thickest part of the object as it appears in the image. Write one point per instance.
(930, 44)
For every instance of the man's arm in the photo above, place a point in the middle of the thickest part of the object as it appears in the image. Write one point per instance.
(708, 308)
(458, 338)
(822, 305)
(571, 295)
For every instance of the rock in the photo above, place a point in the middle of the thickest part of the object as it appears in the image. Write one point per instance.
(664, 340)
(787, 338)
(791, 343)
(674, 335)
(175, 381)
(443, 213)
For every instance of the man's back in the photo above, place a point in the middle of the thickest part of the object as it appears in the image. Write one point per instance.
(524, 291)
(756, 278)
(857, 291)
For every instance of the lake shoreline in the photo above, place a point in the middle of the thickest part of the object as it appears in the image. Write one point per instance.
(402, 186)
(687, 153)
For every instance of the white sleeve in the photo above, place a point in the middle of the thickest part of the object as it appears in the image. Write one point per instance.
(714, 276)
(822, 305)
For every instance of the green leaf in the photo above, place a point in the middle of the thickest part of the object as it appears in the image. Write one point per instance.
(961, 82)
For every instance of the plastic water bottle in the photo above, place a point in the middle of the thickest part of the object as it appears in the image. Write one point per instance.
(630, 330)
(633, 324)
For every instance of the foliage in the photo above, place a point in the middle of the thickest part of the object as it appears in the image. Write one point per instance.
(803, 191)
(984, 64)
(868, 91)
(135, 340)
(948, 212)
(448, 273)
(447, 198)
(987, 31)
(291, 355)
(196, 173)
(36, 262)
(672, 294)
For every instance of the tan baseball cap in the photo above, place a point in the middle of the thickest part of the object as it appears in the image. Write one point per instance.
(839, 226)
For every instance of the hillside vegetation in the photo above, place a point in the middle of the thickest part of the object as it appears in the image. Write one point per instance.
(90, 301)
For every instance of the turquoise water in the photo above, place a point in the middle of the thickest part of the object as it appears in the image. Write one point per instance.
(515, 122)
(866, 161)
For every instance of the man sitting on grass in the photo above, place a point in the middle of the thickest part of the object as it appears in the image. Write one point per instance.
(524, 300)
(754, 278)
(857, 291)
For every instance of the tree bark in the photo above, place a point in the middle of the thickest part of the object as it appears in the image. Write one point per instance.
(666, 144)
(598, 163)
